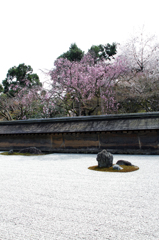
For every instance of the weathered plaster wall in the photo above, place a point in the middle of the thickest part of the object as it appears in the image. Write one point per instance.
(133, 142)
(123, 133)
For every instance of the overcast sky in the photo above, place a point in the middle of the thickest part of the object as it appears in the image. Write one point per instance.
(36, 32)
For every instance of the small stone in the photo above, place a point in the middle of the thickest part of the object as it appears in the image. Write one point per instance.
(117, 167)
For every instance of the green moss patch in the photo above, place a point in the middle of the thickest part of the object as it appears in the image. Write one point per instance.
(22, 154)
(110, 169)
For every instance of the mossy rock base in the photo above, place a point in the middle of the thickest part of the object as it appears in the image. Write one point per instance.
(110, 169)
(21, 154)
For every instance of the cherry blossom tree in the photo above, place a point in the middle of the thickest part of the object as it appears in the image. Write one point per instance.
(137, 90)
(142, 52)
(85, 81)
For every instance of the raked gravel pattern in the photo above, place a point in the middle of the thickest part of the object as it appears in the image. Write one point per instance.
(56, 197)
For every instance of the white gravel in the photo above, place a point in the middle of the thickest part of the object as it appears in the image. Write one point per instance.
(56, 197)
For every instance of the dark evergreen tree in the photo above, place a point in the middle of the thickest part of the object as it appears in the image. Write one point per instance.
(73, 54)
(100, 52)
(20, 76)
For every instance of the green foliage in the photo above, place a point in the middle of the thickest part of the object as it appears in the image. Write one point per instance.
(99, 52)
(139, 94)
(1, 88)
(20, 76)
(73, 54)
(130, 105)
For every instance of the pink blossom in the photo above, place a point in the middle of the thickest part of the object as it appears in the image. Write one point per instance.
(86, 79)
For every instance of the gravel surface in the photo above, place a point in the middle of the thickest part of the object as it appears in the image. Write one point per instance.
(56, 197)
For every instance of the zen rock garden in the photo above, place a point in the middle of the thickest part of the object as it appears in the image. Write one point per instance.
(105, 163)
(104, 159)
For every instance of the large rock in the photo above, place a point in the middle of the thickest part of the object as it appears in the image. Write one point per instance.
(105, 159)
(124, 162)
(31, 150)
